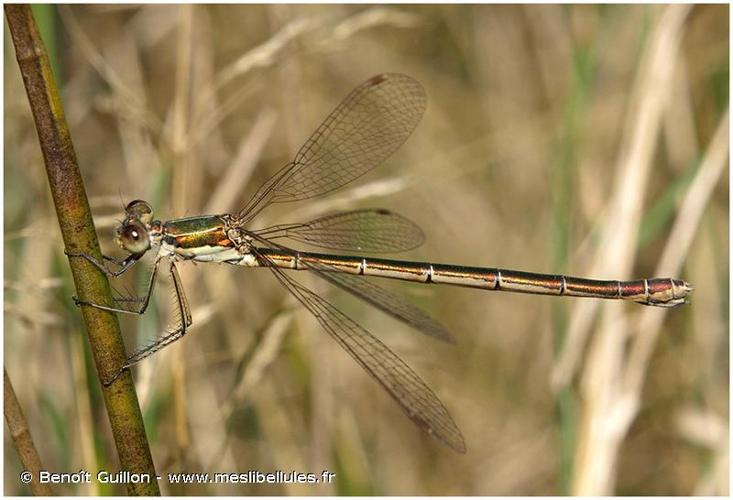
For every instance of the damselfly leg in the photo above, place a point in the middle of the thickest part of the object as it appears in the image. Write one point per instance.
(179, 294)
(143, 300)
(124, 264)
(184, 313)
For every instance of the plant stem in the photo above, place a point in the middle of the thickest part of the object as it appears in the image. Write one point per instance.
(22, 440)
(77, 230)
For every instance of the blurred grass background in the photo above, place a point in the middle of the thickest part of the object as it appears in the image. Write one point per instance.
(535, 114)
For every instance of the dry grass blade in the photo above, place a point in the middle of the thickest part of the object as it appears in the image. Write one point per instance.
(687, 223)
(606, 408)
(265, 54)
(22, 440)
(618, 242)
(227, 194)
(710, 431)
(126, 98)
(84, 410)
(265, 354)
(371, 18)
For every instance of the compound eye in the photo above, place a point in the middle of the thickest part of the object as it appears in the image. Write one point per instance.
(134, 238)
(139, 209)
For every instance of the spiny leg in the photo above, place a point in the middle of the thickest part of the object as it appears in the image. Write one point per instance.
(167, 339)
(144, 300)
(183, 310)
(123, 264)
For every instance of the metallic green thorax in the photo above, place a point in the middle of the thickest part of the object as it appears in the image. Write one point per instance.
(193, 232)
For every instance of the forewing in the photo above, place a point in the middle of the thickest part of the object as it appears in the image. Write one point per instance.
(366, 128)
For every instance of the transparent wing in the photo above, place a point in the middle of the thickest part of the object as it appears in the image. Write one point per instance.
(415, 398)
(355, 231)
(384, 300)
(366, 128)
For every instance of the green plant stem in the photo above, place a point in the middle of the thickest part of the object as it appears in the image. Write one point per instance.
(77, 230)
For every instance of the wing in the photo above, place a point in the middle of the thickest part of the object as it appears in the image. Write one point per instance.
(355, 231)
(415, 398)
(366, 128)
(386, 301)
(369, 230)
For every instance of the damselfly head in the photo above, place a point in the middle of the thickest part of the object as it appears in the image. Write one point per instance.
(132, 233)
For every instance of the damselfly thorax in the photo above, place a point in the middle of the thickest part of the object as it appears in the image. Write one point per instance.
(214, 238)
(367, 127)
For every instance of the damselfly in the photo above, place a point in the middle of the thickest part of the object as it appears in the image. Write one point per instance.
(367, 127)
